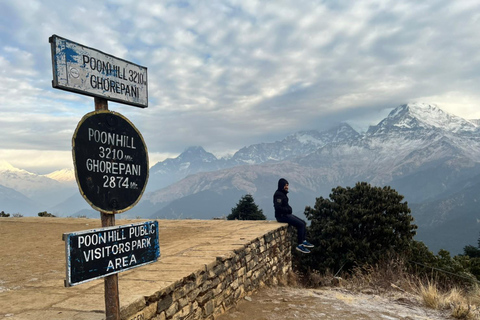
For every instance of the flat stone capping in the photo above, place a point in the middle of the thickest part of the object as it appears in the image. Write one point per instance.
(205, 267)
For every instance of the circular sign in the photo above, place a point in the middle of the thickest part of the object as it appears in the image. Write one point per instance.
(111, 161)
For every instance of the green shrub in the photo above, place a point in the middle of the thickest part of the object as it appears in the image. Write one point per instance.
(358, 226)
(45, 214)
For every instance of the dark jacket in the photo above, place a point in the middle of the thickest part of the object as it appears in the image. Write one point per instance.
(280, 200)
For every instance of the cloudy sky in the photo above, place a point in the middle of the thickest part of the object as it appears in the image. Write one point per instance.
(224, 74)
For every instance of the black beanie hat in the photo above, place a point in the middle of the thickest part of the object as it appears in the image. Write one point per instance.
(281, 183)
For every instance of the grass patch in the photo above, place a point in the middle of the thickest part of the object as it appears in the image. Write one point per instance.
(392, 278)
(461, 304)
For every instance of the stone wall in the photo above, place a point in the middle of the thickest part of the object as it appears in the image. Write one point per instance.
(215, 288)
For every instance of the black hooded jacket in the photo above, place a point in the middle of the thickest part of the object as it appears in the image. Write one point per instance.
(280, 200)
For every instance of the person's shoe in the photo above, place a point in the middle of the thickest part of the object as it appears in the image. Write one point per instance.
(302, 249)
(307, 244)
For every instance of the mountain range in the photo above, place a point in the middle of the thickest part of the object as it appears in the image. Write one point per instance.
(429, 156)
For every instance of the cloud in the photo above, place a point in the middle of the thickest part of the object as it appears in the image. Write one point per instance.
(225, 74)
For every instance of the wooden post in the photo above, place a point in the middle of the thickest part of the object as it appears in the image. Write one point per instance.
(112, 299)
(101, 104)
(112, 296)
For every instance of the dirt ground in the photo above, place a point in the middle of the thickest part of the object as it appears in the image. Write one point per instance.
(32, 249)
(328, 303)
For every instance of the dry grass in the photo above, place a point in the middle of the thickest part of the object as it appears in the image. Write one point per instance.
(384, 277)
(474, 295)
(460, 307)
(462, 304)
(392, 278)
(430, 295)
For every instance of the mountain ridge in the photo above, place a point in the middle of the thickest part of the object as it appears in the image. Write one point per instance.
(424, 153)
(421, 158)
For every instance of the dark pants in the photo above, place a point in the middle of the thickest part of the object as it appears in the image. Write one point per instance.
(297, 223)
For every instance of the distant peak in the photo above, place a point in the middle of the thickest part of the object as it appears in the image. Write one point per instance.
(5, 166)
(422, 105)
(343, 126)
(421, 115)
(62, 175)
(415, 108)
(196, 151)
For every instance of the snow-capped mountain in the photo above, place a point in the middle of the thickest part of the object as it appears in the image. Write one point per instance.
(426, 154)
(23, 181)
(422, 116)
(192, 160)
(297, 144)
(411, 137)
(64, 175)
(41, 191)
(420, 150)
(196, 159)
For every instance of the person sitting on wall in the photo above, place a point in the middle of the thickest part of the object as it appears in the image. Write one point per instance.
(283, 213)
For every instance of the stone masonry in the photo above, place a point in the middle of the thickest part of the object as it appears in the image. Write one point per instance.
(212, 290)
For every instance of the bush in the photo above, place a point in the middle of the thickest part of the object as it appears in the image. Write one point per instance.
(4, 215)
(45, 214)
(358, 226)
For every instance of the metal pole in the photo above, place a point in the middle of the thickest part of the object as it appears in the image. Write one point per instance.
(112, 300)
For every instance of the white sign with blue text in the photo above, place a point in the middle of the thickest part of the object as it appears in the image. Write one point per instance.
(88, 71)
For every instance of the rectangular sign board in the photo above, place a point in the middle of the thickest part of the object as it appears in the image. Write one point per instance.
(97, 253)
(88, 71)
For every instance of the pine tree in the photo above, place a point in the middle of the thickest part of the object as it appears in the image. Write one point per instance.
(246, 209)
(471, 251)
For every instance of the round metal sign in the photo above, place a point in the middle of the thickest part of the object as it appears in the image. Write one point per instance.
(111, 161)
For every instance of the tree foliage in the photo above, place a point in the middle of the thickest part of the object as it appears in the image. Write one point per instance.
(357, 226)
(46, 214)
(471, 251)
(471, 255)
(246, 209)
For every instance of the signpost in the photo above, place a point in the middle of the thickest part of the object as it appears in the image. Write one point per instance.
(93, 254)
(111, 166)
(88, 71)
(111, 162)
